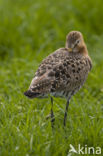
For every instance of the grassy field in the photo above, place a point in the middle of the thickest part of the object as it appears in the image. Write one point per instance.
(29, 31)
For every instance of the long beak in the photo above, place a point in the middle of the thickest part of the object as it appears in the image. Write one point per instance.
(70, 49)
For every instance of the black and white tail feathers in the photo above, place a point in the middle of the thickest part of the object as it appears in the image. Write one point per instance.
(31, 94)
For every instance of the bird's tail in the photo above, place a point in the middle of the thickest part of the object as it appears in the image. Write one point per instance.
(31, 94)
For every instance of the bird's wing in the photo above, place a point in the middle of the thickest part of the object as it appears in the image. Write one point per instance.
(65, 71)
(50, 61)
(44, 77)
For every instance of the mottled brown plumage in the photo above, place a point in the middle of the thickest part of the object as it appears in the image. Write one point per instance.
(63, 72)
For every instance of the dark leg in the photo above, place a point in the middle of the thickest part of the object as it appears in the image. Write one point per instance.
(52, 114)
(66, 110)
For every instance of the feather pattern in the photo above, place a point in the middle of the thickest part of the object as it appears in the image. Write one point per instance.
(60, 73)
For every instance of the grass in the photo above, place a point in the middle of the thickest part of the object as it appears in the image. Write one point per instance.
(29, 31)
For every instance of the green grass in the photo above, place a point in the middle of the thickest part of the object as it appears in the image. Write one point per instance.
(29, 31)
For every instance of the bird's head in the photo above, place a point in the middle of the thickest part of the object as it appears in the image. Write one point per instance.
(75, 42)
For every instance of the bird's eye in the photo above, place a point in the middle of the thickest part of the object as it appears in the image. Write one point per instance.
(78, 41)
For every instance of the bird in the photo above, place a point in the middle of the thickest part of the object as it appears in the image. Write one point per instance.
(62, 73)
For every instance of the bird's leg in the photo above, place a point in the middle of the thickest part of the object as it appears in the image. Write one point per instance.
(52, 114)
(66, 110)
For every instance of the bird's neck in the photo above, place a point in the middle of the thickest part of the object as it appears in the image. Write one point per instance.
(83, 50)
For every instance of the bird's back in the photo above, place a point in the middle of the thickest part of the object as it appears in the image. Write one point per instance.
(60, 74)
